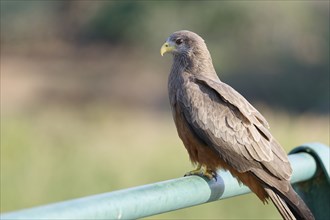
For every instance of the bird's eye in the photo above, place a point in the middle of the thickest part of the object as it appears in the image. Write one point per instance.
(179, 41)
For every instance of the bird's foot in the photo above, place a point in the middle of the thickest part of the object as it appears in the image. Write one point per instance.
(202, 170)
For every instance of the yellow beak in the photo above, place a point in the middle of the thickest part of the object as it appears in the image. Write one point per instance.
(167, 47)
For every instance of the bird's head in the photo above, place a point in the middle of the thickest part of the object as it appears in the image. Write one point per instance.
(183, 43)
(190, 53)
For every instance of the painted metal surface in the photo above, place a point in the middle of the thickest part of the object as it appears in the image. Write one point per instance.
(316, 191)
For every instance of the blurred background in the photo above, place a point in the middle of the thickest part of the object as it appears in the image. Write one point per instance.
(84, 105)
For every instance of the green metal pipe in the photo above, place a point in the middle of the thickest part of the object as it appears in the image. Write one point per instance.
(156, 198)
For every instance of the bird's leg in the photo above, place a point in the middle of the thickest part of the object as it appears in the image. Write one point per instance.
(202, 170)
(197, 171)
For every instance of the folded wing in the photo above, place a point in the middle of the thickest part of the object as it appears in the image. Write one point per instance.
(227, 122)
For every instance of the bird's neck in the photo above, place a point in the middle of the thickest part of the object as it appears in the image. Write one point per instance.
(196, 64)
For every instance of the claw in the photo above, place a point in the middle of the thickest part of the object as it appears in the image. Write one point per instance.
(202, 170)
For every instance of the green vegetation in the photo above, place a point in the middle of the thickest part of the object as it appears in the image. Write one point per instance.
(58, 154)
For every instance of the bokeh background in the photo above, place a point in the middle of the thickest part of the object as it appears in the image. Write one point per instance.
(84, 106)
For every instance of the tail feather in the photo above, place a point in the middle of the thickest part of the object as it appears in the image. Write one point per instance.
(280, 204)
(290, 205)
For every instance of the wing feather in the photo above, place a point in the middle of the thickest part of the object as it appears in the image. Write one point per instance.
(236, 99)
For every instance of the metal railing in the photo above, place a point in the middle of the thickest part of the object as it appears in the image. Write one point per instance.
(142, 201)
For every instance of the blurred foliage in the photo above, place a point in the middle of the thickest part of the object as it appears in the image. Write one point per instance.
(83, 90)
(273, 52)
(115, 23)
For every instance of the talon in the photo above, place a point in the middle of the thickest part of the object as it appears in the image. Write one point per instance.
(214, 175)
(202, 170)
(197, 171)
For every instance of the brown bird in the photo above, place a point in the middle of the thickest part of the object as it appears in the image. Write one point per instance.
(221, 129)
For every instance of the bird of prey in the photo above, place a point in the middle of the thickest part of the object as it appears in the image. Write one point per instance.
(221, 129)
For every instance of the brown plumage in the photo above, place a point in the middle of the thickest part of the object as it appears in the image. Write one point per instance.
(221, 129)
